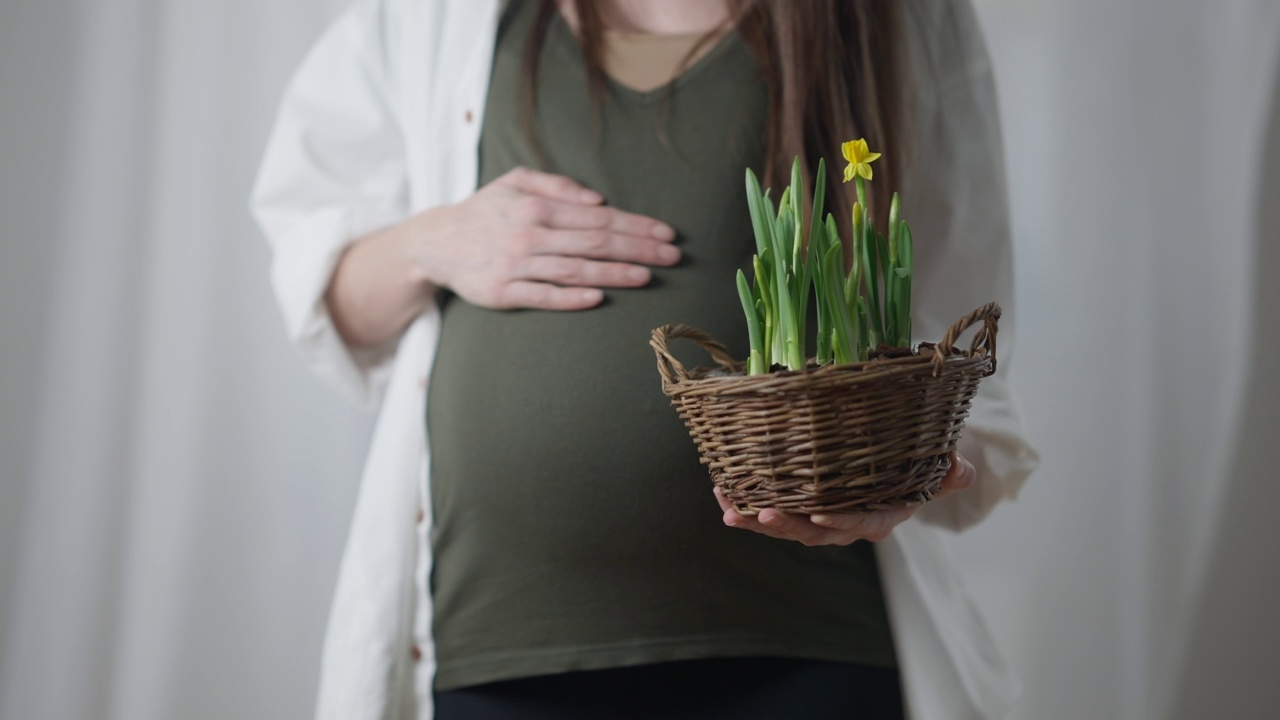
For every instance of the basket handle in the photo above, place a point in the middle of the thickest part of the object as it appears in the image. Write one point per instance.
(984, 342)
(670, 368)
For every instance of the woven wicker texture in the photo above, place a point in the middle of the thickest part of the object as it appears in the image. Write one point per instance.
(838, 438)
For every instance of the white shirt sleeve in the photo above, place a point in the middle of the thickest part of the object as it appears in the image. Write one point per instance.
(955, 201)
(333, 171)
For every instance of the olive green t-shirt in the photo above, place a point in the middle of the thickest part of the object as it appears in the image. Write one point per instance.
(574, 527)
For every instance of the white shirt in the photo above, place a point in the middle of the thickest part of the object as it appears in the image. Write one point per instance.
(383, 121)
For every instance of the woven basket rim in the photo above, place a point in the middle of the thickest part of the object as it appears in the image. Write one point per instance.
(785, 380)
(942, 358)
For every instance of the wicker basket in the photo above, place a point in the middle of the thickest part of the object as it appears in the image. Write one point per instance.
(838, 438)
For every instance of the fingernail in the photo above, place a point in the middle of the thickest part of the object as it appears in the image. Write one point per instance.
(592, 295)
(664, 232)
(590, 196)
(820, 519)
(667, 253)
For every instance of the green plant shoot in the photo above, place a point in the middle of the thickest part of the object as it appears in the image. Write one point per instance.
(859, 307)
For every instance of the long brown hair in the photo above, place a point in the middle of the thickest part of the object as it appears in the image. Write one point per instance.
(833, 73)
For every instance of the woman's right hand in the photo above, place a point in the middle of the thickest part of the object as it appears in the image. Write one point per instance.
(525, 240)
(535, 240)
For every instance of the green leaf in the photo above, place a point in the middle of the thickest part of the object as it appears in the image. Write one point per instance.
(757, 205)
(818, 240)
(854, 278)
(755, 364)
(787, 329)
(844, 340)
(797, 220)
(823, 355)
(890, 315)
(871, 274)
(764, 296)
(895, 210)
(882, 253)
(907, 256)
(891, 292)
(864, 328)
(819, 198)
(906, 247)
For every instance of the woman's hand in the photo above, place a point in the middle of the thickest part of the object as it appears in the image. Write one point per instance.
(525, 240)
(533, 240)
(842, 529)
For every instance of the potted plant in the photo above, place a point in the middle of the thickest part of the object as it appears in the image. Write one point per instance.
(869, 421)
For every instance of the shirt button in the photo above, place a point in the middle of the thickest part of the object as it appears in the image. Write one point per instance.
(468, 116)
(415, 653)
(422, 382)
(422, 515)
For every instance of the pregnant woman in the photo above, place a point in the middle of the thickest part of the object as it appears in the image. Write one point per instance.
(479, 211)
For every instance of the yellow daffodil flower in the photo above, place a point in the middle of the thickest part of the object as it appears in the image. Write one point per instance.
(859, 157)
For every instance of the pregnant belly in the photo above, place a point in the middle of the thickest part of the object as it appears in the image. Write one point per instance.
(538, 415)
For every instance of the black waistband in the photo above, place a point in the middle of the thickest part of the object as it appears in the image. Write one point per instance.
(737, 688)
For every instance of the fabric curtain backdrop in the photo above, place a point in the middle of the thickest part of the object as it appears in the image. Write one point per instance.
(1133, 133)
(185, 486)
(175, 490)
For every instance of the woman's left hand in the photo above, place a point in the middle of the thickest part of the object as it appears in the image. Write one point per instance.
(846, 528)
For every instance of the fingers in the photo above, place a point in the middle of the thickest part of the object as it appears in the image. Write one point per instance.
(560, 217)
(543, 296)
(548, 243)
(732, 519)
(583, 273)
(961, 476)
(804, 531)
(874, 526)
(843, 529)
(555, 187)
(574, 207)
(580, 217)
(602, 245)
(741, 522)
